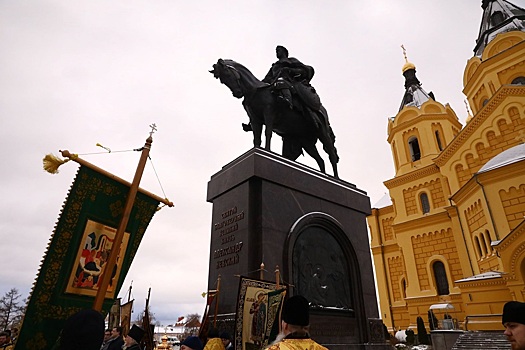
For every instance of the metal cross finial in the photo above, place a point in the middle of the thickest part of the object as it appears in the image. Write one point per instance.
(467, 106)
(153, 129)
(404, 53)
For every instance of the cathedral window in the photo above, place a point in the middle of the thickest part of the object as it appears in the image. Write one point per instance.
(497, 18)
(440, 276)
(483, 244)
(489, 240)
(478, 247)
(413, 145)
(438, 140)
(518, 81)
(425, 205)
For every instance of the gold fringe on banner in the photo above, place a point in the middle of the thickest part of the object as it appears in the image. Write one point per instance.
(52, 163)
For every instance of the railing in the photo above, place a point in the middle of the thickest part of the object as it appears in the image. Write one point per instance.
(483, 319)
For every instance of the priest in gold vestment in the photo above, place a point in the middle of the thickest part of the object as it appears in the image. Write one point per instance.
(295, 321)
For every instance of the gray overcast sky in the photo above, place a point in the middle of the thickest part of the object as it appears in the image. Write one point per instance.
(76, 73)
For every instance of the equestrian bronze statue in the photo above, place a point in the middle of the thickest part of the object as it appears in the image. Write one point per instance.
(285, 103)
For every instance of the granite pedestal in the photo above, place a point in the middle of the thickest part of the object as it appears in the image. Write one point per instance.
(267, 209)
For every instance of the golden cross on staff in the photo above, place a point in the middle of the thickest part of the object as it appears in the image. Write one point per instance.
(404, 53)
(153, 129)
(466, 106)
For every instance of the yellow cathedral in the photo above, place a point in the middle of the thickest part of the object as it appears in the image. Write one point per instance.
(450, 233)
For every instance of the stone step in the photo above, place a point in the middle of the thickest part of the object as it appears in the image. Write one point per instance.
(482, 340)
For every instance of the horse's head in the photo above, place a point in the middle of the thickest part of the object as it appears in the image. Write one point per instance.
(229, 76)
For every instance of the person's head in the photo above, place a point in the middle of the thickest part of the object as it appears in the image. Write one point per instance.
(295, 316)
(83, 330)
(116, 332)
(514, 322)
(226, 339)
(213, 333)
(281, 51)
(3, 338)
(191, 343)
(134, 336)
(107, 335)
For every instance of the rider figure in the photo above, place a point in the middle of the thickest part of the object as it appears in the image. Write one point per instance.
(286, 73)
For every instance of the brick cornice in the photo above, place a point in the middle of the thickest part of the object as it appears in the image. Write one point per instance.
(424, 221)
(478, 120)
(426, 117)
(482, 283)
(412, 176)
(515, 234)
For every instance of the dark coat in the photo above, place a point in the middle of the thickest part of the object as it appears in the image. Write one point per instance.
(134, 347)
(116, 344)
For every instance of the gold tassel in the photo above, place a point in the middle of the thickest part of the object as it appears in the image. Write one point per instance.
(52, 162)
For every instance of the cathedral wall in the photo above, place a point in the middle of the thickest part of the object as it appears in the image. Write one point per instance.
(436, 244)
(387, 228)
(513, 201)
(475, 215)
(434, 191)
(396, 268)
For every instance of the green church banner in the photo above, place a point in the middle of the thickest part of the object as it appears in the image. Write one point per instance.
(76, 257)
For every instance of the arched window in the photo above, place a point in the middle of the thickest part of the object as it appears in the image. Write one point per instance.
(440, 275)
(404, 286)
(438, 140)
(425, 205)
(413, 145)
(497, 18)
(489, 240)
(478, 247)
(518, 81)
(483, 244)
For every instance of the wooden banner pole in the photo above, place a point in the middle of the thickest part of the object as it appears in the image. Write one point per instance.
(277, 276)
(217, 301)
(115, 248)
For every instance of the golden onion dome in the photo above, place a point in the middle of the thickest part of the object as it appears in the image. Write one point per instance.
(407, 66)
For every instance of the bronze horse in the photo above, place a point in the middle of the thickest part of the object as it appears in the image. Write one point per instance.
(298, 129)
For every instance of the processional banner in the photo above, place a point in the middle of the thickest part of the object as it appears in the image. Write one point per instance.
(258, 313)
(125, 317)
(79, 248)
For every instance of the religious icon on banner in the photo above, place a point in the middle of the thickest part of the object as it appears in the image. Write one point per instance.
(93, 253)
(257, 310)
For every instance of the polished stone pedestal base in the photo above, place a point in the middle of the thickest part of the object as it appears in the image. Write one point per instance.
(312, 227)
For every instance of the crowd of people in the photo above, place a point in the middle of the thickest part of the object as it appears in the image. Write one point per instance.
(85, 331)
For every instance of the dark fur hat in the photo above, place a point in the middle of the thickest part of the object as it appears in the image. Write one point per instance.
(193, 342)
(513, 311)
(296, 311)
(136, 333)
(83, 330)
(225, 335)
